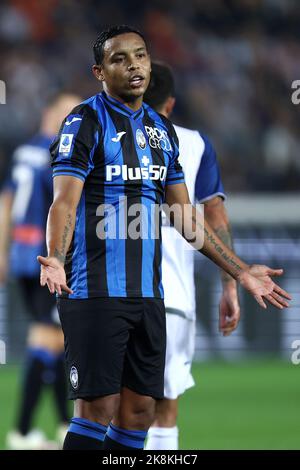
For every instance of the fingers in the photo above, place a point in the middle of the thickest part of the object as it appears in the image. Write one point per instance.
(260, 301)
(43, 261)
(67, 289)
(275, 272)
(43, 277)
(228, 325)
(277, 300)
(50, 285)
(282, 292)
(57, 288)
(273, 301)
(280, 299)
(228, 331)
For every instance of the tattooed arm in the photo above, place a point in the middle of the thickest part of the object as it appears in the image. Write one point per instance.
(60, 228)
(229, 308)
(216, 216)
(256, 279)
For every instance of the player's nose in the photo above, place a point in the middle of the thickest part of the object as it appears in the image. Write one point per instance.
(133, 66)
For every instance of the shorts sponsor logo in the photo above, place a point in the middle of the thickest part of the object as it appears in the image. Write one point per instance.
(74, 377)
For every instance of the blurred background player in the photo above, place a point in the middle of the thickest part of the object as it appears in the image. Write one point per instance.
(202, 176)
(25, 200)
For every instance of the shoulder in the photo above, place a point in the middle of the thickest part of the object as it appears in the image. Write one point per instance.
(87, 108)
(195, 136)
(208, 146)
(158, 118)
(185, 133)
(190, 142)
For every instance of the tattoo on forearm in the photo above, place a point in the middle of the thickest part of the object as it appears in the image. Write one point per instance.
(224, 234)
(211, 239)
(220, 250)
(61, 254)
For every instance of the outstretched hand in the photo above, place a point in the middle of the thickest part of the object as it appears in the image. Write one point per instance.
(257, 280)
(53, 274)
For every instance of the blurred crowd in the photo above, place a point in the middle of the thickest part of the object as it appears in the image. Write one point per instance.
(234, 62)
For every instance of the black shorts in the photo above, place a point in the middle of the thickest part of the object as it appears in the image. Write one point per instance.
(40, 304)
(114, 342)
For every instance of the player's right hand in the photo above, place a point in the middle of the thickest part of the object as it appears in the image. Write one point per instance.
(53, 274)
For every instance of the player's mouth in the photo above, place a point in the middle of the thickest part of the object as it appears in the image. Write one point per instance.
(136, 81)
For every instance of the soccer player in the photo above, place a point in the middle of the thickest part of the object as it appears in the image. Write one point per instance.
(116, 157)
(26, 198)
(202, 178)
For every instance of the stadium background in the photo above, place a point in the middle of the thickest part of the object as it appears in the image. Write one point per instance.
(234, 61)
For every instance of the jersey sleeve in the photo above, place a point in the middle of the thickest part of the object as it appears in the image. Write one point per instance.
(73, 149)
(175, 173)
(208, 181)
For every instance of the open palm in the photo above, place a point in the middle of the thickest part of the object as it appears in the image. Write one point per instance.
(257, 280)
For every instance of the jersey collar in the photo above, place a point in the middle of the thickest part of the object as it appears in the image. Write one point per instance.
(122, 108)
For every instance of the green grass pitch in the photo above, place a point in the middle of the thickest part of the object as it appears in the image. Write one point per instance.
(245, 405)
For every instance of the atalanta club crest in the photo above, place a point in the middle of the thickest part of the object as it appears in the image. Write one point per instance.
(141, 139)
(74, 377)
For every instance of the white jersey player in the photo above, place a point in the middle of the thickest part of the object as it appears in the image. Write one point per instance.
(203, 181)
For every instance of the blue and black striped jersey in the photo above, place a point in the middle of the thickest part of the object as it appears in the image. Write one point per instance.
(125, 158)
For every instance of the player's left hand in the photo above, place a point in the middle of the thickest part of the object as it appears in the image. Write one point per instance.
(229, 309)
(257, 280)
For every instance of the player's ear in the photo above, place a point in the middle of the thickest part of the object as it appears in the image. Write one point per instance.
(98, 73)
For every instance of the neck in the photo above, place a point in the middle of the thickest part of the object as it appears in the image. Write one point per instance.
(135, 103)
(164, 112)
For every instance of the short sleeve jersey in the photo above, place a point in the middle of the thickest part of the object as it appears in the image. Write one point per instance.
(125, 159)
